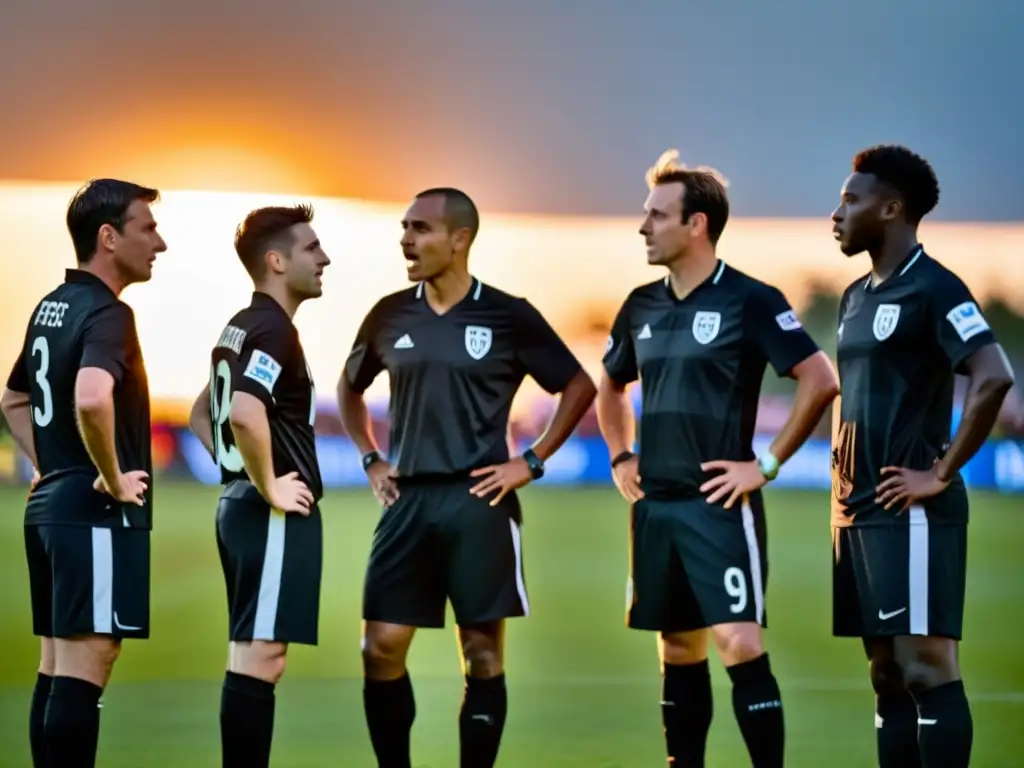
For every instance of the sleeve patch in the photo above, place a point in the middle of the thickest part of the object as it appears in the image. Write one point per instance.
(264, 369)
(967, 320)
(788, 321)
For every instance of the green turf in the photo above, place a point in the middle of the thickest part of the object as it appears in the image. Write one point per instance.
(583, 689)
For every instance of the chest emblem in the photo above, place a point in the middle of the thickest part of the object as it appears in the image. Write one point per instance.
(706, 326)
(478, 341)
(886, 317)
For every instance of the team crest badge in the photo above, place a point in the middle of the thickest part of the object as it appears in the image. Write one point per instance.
(886, 317)
(706, 326)
(478, 341)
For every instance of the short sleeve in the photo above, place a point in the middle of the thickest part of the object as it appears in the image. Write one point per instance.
(106, 339)
(363, 363)
(542, 352)
(619, 355)
(777, 331)
(266, 351)
(960, 327)
(18, 381)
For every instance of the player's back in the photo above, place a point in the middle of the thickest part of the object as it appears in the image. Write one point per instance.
(82, 324)
(259, 353)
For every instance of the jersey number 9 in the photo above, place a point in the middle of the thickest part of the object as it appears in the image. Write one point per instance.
(227, 456)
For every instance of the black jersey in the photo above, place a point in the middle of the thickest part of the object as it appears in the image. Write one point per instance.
(453, 376)
(899, 346)
(700, 361)
(259, 353)
(82, 324)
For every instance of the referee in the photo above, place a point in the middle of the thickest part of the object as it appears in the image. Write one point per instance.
(456, 351)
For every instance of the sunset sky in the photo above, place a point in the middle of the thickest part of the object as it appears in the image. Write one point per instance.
(551, 106)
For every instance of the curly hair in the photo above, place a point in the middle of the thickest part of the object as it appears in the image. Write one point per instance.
(906, 172)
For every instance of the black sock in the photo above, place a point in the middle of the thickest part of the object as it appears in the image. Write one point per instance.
(686, 710)
(37, 720)
(390, 711)
(945, 728)
(482, 721)
(246, 721)
(896, 730)
(758, 706)
(72, 726)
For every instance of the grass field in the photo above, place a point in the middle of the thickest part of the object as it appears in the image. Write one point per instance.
(583, 688)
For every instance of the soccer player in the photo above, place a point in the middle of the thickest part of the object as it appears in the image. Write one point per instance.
(256, 418)
(899, 506)
(700, 340)
(77, 401)
(456, 351)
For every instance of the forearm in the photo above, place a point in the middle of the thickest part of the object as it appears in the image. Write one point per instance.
(200, 423)
(810, 402)
(982, 404)
(96, 425)
(572, 406)
(252, 438)
(615, 419)
(19, 421)
(355, 419)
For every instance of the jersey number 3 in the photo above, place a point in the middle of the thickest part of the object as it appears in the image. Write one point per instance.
(43, 416)
(227, 456)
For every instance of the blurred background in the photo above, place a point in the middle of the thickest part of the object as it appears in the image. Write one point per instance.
(547, 114)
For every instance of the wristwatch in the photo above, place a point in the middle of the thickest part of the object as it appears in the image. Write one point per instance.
(533, 461)
(624, 456)
(370, 459)
(769, 465)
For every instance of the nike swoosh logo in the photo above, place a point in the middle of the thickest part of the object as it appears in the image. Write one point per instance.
(125, 627)
(885, 616)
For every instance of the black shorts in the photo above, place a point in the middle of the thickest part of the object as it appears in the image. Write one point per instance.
(896, 580)
(272, 568)
(88, 581)
(438, 543)
(694, 565)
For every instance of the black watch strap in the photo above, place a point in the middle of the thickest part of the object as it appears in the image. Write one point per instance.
(534, 462)
(370, 459)
(624, 456)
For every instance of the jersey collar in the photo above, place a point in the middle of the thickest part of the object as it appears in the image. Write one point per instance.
(474, 293)
(713, 279)
(266, 301)
(912, 258)
(85, 278)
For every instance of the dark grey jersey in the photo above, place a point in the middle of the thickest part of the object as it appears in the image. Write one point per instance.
(259, 353)
(82, 324)
(899, 345)
(700, 361)
(453, 376)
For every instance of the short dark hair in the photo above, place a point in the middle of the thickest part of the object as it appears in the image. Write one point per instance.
(99, 202)
(266, 229)
(703, 190)
(459, 209)
(906, 172)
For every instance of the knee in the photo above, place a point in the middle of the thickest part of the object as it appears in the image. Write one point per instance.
(886, 677)
(921, 673)
(262, 660)
(683, 648)
(927, 662)
(483, 657)
(739, 643)
(384, 652)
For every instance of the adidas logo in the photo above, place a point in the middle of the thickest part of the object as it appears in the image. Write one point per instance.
(645, 332)
(404, 343)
